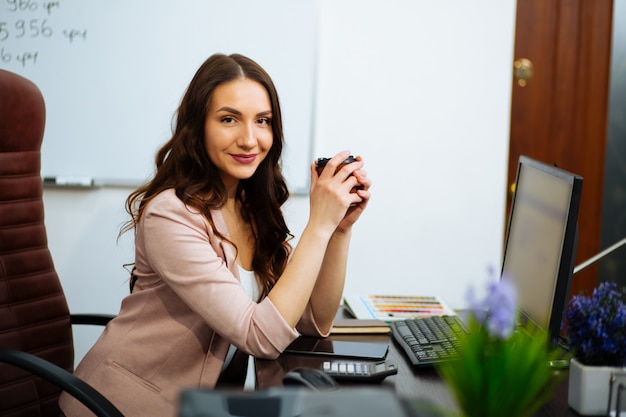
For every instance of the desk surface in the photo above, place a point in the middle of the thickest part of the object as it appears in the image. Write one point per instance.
(408, 383)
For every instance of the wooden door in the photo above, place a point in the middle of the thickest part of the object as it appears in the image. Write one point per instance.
(560, 115)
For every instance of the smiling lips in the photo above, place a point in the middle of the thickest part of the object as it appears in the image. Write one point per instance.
(244, 159)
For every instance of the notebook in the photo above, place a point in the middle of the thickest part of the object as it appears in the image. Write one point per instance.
(356, 326)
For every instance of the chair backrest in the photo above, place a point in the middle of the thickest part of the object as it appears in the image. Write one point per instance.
(34, 315)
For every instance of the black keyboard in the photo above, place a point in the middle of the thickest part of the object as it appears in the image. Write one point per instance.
(429, 340)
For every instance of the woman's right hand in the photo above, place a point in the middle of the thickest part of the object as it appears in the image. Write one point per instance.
(330, 193)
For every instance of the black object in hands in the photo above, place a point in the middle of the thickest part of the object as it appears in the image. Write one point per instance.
(321, 163)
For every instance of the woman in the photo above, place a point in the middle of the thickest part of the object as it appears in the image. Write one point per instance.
(213, 267)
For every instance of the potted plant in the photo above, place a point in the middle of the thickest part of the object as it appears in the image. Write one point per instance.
(501, 371)
(595, 326)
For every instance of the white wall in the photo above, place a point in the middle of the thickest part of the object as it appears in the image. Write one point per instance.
(421, 90)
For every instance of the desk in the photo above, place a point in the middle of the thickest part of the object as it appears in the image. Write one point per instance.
(408, 384)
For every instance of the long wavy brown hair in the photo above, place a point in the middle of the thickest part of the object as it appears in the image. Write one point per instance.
(183, 164)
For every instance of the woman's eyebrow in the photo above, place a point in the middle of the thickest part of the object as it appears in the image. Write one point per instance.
(229, 110)
(237, 112)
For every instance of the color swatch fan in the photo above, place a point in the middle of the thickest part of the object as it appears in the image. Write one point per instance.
(395, 307)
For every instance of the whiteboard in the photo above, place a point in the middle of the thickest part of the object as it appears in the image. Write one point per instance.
(113, 72)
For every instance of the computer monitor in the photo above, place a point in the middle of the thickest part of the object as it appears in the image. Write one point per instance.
(541, 241)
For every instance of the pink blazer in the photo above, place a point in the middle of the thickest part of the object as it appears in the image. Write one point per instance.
(174, 330)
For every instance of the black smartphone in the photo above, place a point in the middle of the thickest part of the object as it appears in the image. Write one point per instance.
(339, 348)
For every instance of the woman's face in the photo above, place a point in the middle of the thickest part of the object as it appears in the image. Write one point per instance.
(238, 129)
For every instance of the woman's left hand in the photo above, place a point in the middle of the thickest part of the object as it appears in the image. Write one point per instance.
(355, 210)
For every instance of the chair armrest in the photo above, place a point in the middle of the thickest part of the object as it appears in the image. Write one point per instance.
(96, 319)
(74, 386)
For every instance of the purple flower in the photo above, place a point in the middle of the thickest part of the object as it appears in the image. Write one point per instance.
(596, 326)
(498, 310)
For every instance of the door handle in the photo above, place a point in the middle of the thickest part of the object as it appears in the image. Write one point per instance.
(523, 70)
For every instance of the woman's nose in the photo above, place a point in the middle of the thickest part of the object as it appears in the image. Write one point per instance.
(247, 139)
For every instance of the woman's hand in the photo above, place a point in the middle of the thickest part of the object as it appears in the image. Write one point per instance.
(339, 196)
(355, 210)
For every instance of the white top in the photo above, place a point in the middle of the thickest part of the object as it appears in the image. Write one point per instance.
(251, 286)
(249, 283)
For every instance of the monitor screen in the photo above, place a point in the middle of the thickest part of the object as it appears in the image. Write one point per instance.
(541, 241)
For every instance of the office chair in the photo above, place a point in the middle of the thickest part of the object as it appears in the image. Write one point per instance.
(36, 345)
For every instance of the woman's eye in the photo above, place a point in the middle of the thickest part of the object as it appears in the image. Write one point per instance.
(228, 119)
(265, 121)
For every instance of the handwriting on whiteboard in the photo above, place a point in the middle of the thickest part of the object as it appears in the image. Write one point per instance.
(24, 21)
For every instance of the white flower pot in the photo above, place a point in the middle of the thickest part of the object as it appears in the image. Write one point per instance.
(588, 390)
